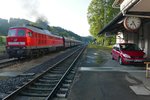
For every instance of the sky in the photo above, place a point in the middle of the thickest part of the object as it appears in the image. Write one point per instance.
(68, 14)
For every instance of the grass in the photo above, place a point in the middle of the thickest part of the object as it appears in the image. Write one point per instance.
(100, 58)
(105, 48)
(2, 49)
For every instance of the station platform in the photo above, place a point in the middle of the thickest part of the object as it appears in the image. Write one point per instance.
(106, 79)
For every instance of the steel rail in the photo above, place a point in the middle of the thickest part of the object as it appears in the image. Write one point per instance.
(16, 92)
(63, 77)
(8, 62)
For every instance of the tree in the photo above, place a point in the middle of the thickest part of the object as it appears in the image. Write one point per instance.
(18, 22)
(95, 16)
(100, 13)
(4, 25)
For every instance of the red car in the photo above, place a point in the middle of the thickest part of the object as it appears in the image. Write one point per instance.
(127, 53)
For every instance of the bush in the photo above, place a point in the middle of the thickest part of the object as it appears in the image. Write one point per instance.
(2, 40)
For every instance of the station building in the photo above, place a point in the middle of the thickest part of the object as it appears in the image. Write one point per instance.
(132, 24)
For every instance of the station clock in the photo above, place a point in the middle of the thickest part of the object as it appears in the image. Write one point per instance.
(132, 23)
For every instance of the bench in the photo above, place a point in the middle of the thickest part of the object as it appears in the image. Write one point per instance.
(147, 68)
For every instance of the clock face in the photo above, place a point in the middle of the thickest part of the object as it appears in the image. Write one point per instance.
(132, 23)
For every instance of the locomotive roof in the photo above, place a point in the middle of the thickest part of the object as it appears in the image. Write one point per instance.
(38, 30)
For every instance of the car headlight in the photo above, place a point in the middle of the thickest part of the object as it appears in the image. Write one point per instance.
(126, 56)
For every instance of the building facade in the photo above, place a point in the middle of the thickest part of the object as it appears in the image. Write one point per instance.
(131, 8)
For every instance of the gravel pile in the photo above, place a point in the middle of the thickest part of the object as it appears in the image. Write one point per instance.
(10, 84)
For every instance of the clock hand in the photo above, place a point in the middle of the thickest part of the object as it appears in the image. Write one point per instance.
(134, 24)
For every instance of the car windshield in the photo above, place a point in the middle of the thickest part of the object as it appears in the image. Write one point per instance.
(129, 47)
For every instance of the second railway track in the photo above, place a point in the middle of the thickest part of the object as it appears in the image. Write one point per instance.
(52, 83)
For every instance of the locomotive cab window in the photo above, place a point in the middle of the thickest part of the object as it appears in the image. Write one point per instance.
(12, 32)
(21, 32)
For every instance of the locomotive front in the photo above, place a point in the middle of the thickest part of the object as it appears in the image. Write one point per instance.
(16, 42)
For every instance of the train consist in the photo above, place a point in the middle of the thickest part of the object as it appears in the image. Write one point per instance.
(29, 41)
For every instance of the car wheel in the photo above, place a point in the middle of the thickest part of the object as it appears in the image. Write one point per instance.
(120, 61)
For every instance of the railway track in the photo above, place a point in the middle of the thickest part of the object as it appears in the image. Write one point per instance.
(52, 83)
(3, 56)
(7, 62)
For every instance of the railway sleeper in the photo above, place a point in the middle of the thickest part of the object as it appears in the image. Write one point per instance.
(68, 80)
(54, 75)
(44, 84)
(66, 85)
(51, 78)
(35, 94)
(37, 91)
(70, 76)
(40, 88)
(59, 68)
(57, 71)
(73, 72)
(61, 94)
(64, 89)
(49, 81)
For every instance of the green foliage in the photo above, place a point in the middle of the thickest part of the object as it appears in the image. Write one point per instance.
(105, 48)
(95, 16)
(2, 43)
(2, 40)
(100, 13)
(105, 41)
(62, 32)
(2, 49)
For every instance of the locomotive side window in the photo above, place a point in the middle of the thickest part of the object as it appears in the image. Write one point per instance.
(21, 32)
(12, 32)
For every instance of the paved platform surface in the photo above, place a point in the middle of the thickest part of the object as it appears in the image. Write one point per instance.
(105, 86)
(141, 77)
(108, 80)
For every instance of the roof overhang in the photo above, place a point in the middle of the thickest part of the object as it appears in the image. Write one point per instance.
(139, 8)
(114, 25)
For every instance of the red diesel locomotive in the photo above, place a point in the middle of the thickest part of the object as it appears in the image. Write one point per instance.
(28, 41)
